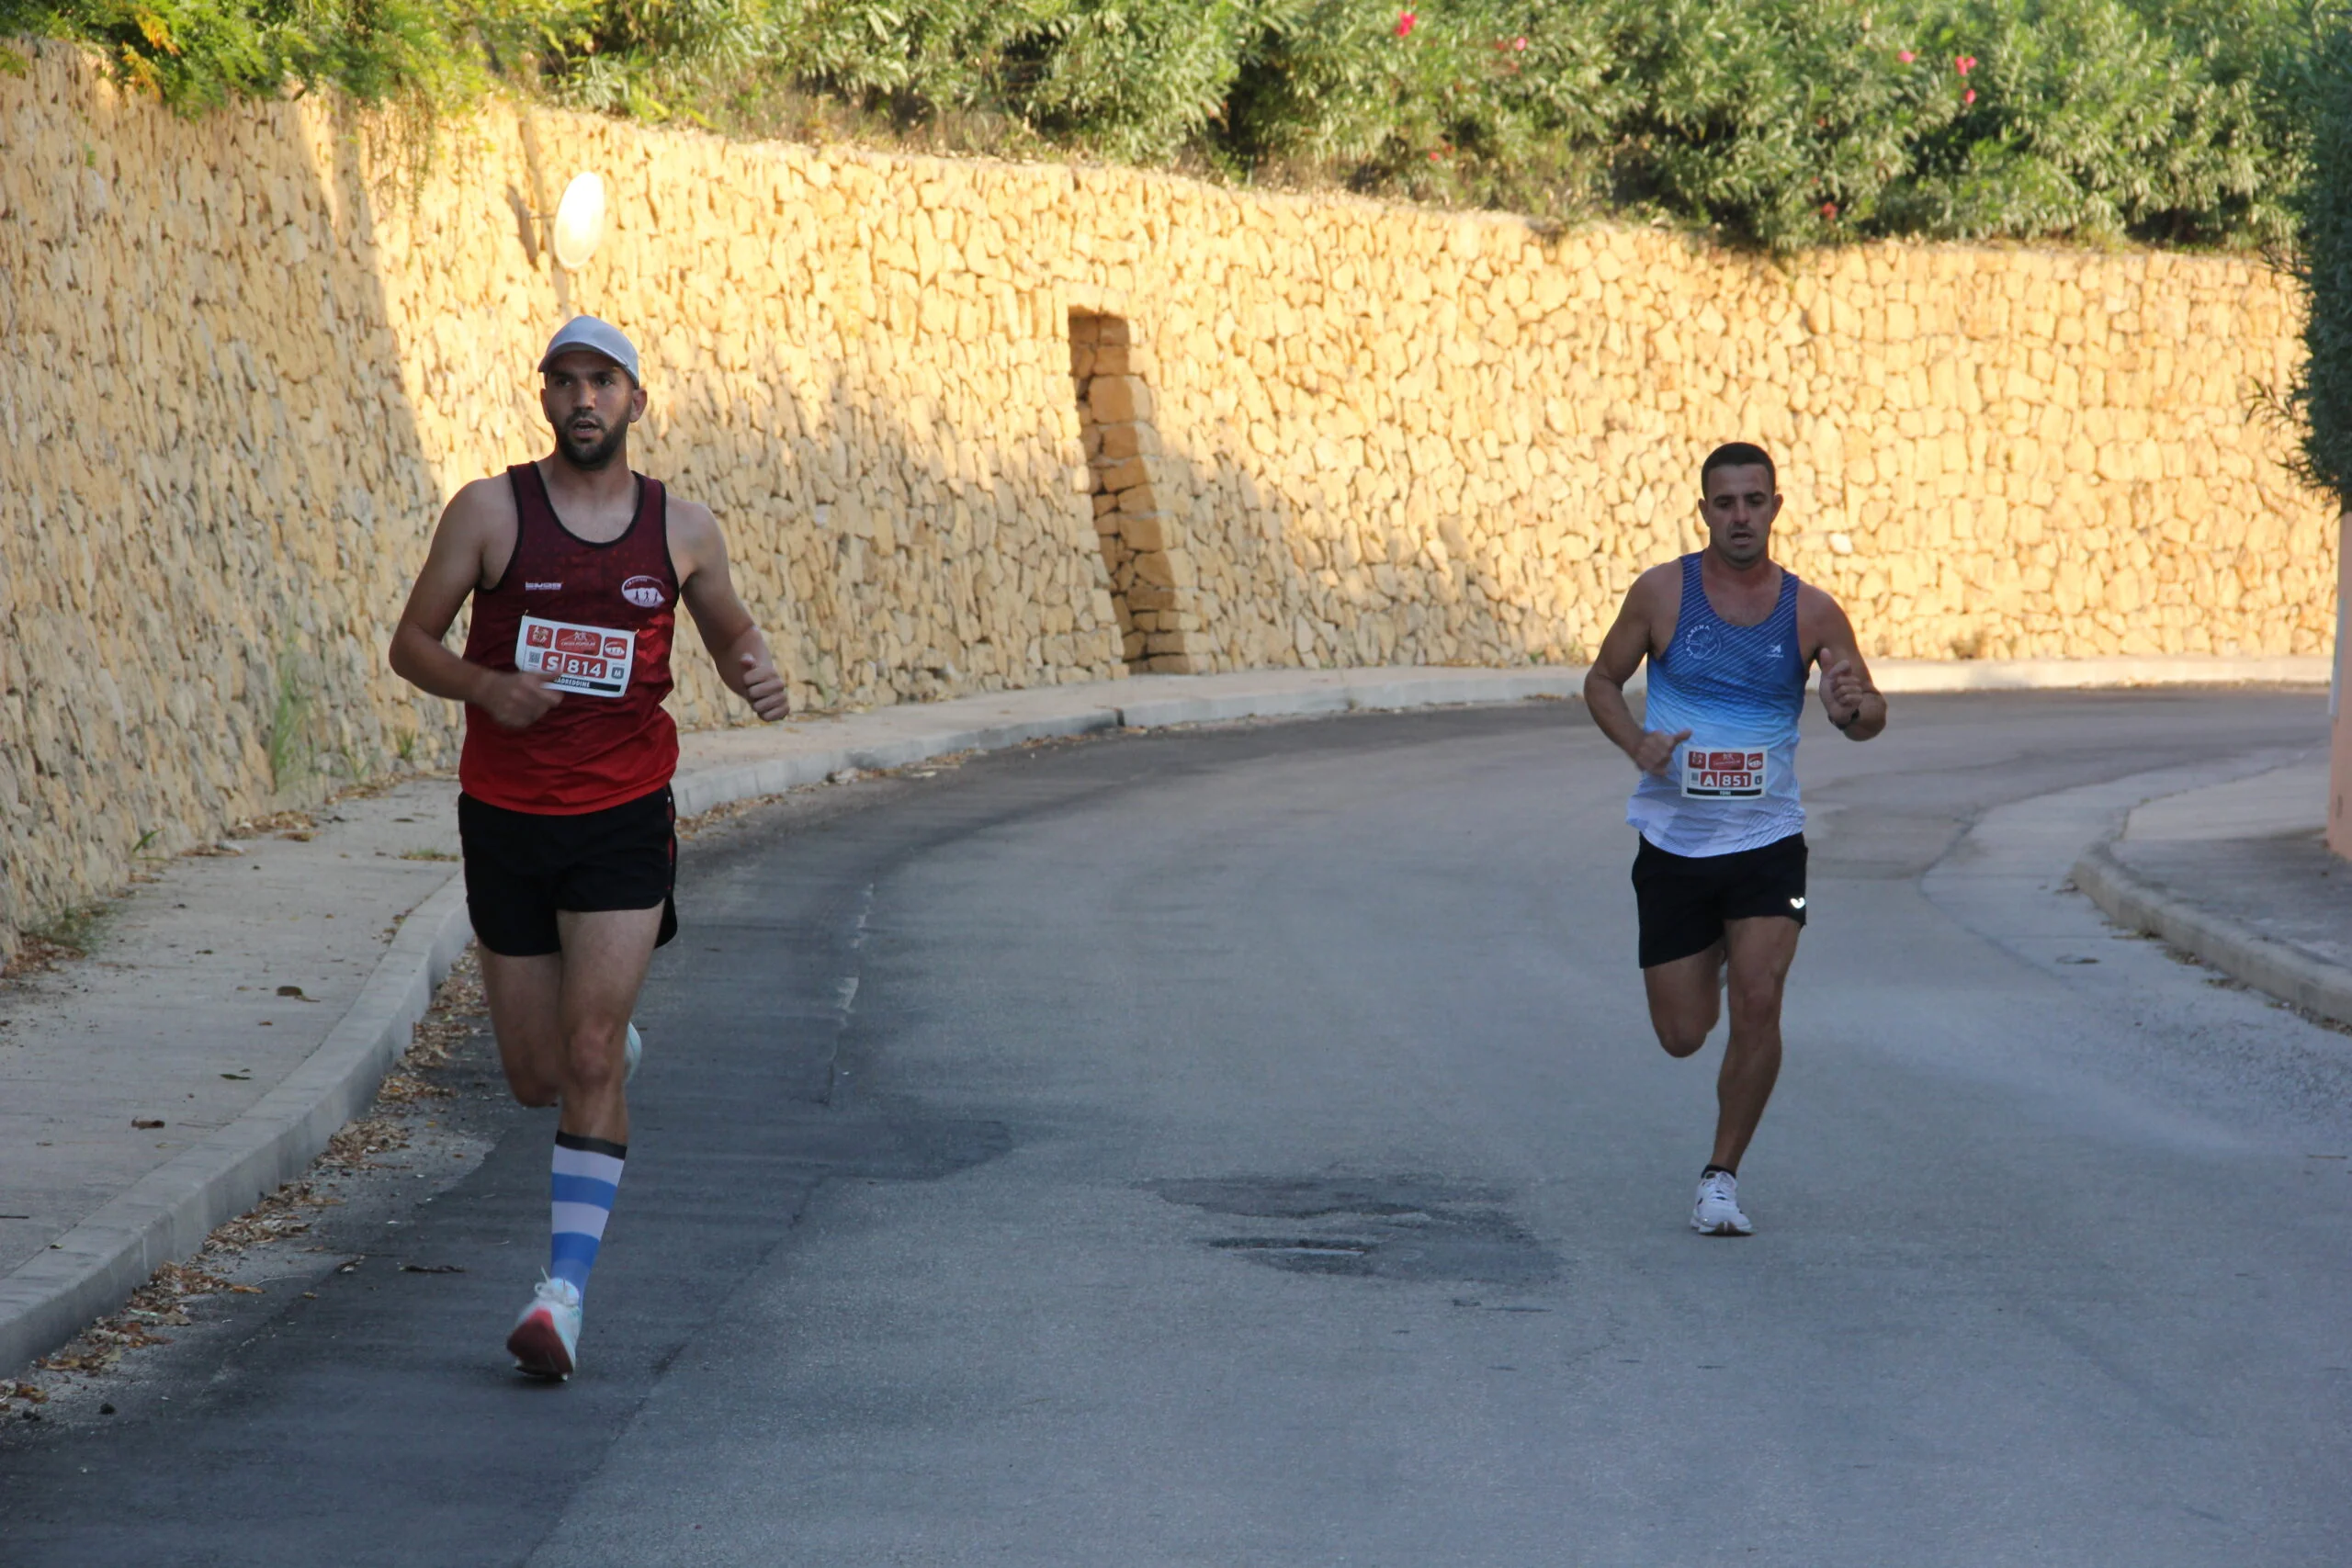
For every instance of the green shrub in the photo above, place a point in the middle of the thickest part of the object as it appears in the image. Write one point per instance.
(198, 54)
(1504, 104)
(1776, 122)
(2323, 394)
(2094, 119)
(646, 59)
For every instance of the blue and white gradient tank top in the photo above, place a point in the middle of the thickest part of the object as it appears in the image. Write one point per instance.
(1739, 691)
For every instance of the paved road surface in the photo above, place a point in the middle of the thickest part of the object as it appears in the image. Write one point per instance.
(1245, 1146)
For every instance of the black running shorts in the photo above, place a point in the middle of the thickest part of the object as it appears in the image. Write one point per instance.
(522, 866)
(1685, 900)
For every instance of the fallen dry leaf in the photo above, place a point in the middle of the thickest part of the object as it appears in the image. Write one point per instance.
(275, 822)
(399, 1087)
(160, 1302)
(355, 1146)
(274, 1218)
(35, 955)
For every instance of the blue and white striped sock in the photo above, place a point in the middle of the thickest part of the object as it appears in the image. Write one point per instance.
(587, 1178)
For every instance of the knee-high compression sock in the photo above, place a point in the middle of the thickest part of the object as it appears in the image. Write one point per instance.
(587, 1176)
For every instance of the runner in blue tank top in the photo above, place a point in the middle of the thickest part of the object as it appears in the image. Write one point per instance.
(1719, 877)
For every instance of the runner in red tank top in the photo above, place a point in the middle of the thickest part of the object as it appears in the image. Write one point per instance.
(576, 566)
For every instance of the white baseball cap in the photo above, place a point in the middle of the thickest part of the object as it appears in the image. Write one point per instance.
(597, 337)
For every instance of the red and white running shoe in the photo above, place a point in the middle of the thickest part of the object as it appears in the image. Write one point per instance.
(548, 1333)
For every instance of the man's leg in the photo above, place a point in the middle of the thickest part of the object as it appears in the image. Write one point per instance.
(1686, 998)
(525, 997)
(606, 952)
(563, 1026)
(562, 1018)
(1760, 950)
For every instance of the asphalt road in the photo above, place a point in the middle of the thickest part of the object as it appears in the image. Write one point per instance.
(1245, 1146)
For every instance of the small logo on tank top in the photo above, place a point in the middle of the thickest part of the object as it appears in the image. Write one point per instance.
(1698, 643)
(645, 593)
(542, 587)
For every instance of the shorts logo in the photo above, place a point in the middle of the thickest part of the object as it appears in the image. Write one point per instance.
(542, 587)
(1796, 903)
(645, 593)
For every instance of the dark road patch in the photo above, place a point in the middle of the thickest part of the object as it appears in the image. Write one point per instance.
(1410, 1228)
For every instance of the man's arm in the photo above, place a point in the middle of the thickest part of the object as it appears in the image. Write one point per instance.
(1851, 702)
(1622, 652)
(453, 566)
(727, 628)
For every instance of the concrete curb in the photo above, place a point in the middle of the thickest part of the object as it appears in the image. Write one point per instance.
(2085, 674)
(166, 1215)
(90, 1270)
(1156, 702)
(706, 787)
(1353, 691)
(2266, 964)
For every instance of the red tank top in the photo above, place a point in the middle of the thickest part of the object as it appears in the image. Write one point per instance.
(599, 619)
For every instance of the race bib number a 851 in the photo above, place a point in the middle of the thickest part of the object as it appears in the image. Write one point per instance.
(1712, 773)
(593, 660)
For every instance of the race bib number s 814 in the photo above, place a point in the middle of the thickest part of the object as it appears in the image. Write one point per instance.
(1712, 773)
(591, 660)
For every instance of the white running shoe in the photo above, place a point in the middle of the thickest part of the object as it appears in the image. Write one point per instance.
(1717, 1211)
(549, 1331)
(636, 1049)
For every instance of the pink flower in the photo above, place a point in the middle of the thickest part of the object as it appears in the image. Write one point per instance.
(1965, 63)
(1969, 96)
(1405, 20)
(1519, 43)
(1435, 155)
(1829, 210)
(1905, 56)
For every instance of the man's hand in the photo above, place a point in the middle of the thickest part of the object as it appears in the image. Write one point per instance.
(1842, 691)
(517, 699)
(1657, 750)
(764, 688)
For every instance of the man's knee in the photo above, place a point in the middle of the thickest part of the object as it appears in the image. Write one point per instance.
(595, 1056)
(1680, 1039)
(1683, 1030)
(533, 1067)
(1685, 998)
(1755, 999)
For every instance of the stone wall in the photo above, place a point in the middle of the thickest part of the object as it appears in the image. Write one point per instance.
(250, 354)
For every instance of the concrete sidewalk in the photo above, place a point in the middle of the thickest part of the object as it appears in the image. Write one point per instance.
(2239, 874)
(238, 1008)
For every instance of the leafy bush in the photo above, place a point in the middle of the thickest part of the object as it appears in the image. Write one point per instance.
(2324, 394)
(1777, 122)
(1498, 103)
(648, 58)
(198, 54)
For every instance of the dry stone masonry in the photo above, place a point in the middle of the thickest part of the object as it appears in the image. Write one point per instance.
(1149, 572)
(251, 356)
